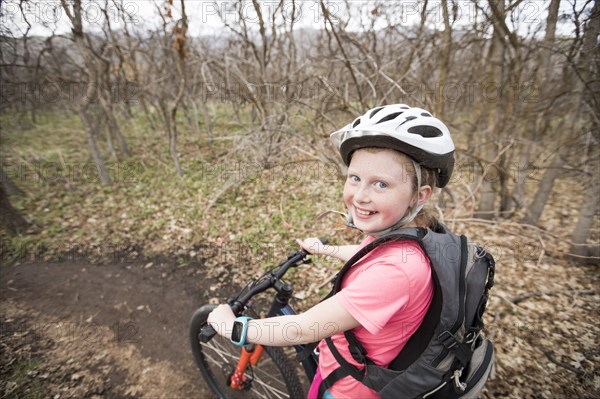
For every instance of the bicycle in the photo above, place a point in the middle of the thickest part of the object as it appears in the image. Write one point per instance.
(234, 372)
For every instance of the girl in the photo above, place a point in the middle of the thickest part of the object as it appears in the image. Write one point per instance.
(395, 155)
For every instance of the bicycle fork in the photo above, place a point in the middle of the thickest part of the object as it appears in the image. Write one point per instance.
(249, 356)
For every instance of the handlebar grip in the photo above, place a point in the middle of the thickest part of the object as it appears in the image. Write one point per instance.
(323, 240)
(206, 333)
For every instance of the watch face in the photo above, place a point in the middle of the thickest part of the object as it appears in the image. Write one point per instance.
(236, 334)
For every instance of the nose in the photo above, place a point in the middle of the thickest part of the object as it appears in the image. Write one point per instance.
(361, 195)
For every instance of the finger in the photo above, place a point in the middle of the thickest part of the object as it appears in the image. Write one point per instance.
(304, 245)
(314, 243)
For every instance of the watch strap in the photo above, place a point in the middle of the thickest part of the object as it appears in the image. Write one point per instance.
(244, 320)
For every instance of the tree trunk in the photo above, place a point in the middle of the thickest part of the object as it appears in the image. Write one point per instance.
(10, 218)
(521, 173)
(506, 199)
(75, 16)
(487, 200)
(191, 114)
(147, 112)
(584, 225)
(544, 190)
(588, 64)
(493, 112)
(106, 104)
(91, 127)
(173, 143)
(539, 125)
(113, 126)
(534, 129)
(549, 36)
(169, 116)
(10, 187)
(111, 147)
(207, 123)
(445, 62)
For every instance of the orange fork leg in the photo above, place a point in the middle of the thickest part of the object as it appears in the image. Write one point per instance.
(256, 354)
(238, 378)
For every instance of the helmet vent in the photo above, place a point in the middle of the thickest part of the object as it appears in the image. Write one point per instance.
(408, 118)
(356, 122)
(425, 114)
(426, 131)
(376, 110)
(389, 117)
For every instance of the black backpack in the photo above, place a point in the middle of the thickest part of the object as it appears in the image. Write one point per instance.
(447, 357)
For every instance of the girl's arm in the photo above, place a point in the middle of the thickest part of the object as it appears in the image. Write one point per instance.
(321, 321)
(314, 246)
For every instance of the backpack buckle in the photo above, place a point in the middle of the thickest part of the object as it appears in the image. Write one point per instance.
(448, 340)
(358, 353)
(462, 351)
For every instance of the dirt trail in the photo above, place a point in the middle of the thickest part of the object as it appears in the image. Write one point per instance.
(78, 329)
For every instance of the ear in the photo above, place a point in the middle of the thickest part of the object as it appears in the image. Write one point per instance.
(424, 195)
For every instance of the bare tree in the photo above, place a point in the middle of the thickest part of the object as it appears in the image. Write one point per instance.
(587, 214)
(589, 69)
(91, 69)
(533, 86)
(168, 76)
(494, 110)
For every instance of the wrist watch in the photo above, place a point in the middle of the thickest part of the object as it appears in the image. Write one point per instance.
(240, 330)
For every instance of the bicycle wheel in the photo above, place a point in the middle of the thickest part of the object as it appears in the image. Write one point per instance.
(273, 377)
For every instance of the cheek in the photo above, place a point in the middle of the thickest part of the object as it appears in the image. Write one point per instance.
(347, 194)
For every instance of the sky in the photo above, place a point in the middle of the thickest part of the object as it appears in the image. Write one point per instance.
(208, 17)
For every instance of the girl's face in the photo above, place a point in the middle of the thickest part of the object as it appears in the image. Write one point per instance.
(379, 189)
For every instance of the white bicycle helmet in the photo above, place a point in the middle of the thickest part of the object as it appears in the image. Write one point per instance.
(412, 131)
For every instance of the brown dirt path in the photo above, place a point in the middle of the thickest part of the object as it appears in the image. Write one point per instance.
(77, 329)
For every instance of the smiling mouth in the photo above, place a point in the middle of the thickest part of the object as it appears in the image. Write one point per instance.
(363, 213)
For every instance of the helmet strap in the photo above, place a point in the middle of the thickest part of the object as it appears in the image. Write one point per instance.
(347, 218)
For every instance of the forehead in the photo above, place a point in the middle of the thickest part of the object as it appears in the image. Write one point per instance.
(383, 154)
(381, 161)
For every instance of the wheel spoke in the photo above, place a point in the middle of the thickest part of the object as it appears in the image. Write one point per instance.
(225, 355)
(270, 390)
(274, 377)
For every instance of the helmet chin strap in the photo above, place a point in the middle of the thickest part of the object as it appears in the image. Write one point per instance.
(348, 218)
(406, 219)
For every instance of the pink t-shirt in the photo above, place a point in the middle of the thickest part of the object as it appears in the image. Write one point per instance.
(388, 292)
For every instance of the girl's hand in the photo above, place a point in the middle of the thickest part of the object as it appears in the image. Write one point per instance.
(221, 319)
(313, 246)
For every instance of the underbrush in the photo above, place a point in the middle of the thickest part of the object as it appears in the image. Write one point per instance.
(230, 211)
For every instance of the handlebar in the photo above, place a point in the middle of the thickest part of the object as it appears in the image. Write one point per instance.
(239, 304)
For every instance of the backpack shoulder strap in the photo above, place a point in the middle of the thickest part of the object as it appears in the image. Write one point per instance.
(356, 349)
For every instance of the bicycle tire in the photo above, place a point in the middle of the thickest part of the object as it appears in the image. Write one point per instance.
(273, 377)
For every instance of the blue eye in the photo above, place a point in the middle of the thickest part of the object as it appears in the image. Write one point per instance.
(381, 185)
(354, 178)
